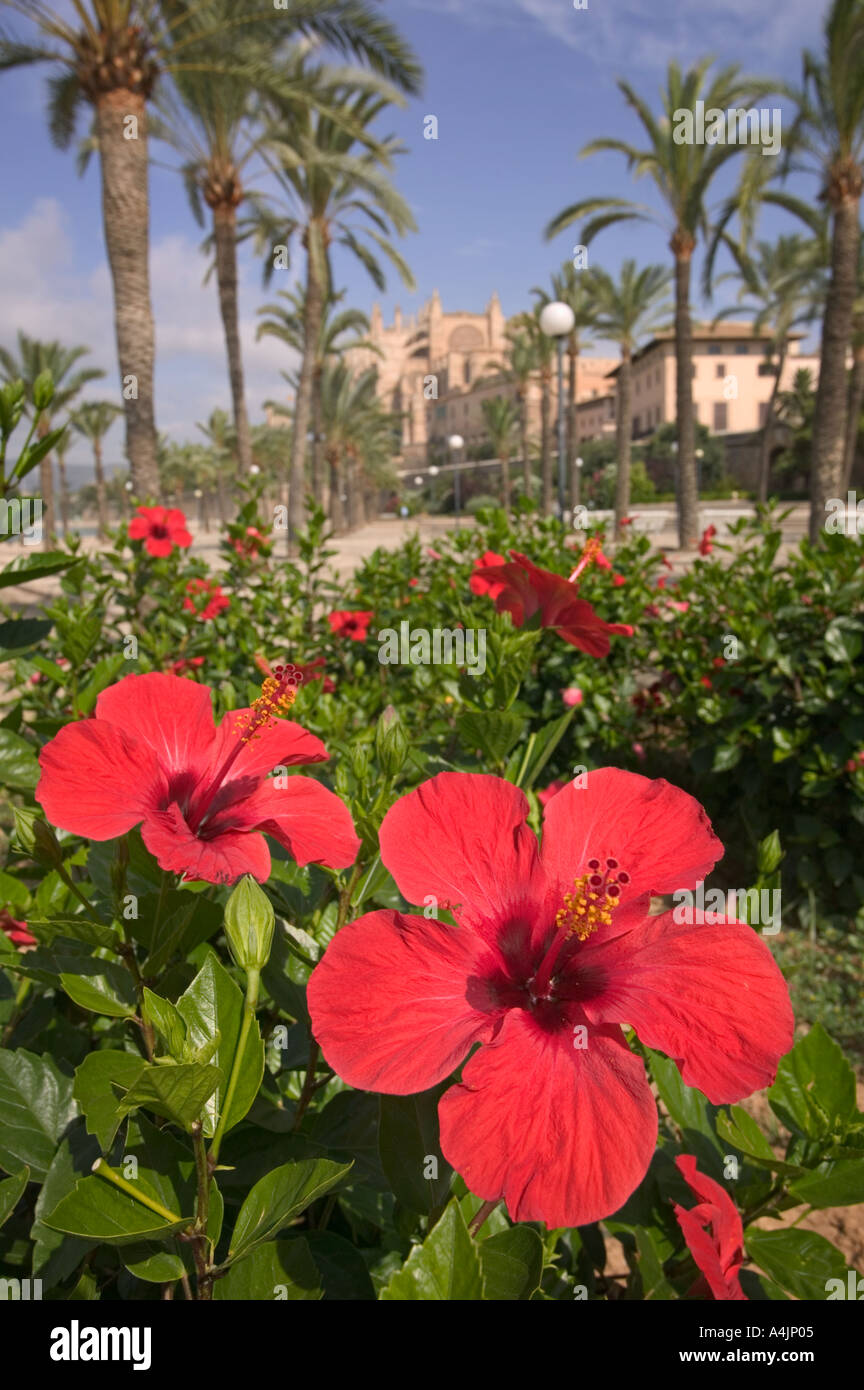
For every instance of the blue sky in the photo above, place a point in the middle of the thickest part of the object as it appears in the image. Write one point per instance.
(517, 86)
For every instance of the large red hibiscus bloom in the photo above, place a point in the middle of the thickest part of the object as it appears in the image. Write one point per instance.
(161, 528)
(714, 1234)
(527, 591)
(554, 950)
(153, 755)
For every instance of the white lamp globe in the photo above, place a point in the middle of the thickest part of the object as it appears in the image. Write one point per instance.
(418, 481)
(557, 319)
(433, 471)
(455, 441)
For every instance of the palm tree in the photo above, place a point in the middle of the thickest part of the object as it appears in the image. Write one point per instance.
(856, 377)
(682, 173)
(332, 175)
(222, 439)
(628, 309)
(358, 435)
(288, 324)
(784, 282)
(519, 371)
(110, 54)
(543, 351)
(35, 357)
(569, 287)
(93, 420)
(502, 419)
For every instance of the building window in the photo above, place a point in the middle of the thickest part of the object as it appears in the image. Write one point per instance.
(721, 369)
(466, 372)
(714, 349)
(741, 349)
(721, 413)
(767, 368)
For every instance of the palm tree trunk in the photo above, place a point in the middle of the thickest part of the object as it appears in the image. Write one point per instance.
(688, 494)
(312, 313)
(527, 476)
(337, 511)
(768, 427)
(125, 215)
(575, 474)
(505, 480)
(829, 418)
(225, 239)
(545, 446)
(99, 475)
(624, 437)
(318, 440)
(853, 418)
(220, 494)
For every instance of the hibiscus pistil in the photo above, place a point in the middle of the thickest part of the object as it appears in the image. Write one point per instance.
(590, 552)
(587, 906)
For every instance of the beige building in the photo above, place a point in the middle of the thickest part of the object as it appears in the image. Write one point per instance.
(732, 378)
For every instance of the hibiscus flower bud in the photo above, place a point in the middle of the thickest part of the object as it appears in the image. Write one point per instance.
(35, 837)
(391, 744)
(249, 924)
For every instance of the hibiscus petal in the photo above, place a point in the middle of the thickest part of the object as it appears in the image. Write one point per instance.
(463, 838)
(563, 1134)
(727, 1229)
(310, 821)
(221, 858)
(711, 997)
(282, 744)
(97, 780)
(173, 716)
(390, 1002)
(659, 834)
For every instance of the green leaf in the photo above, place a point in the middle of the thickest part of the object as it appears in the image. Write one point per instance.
(843, 639)
(36, 1105)
(279, 1197)
(744, 1134)
(445, 1268)
(649, 1260)
(409, 1144)
(186, 920)
(29, 567)
(166, 1020)
(211, 1008)
(20, 633)
(341, 1268)
(164, 1172)
(836, 1183)
(176, 1092)
(512, 1264)
(18, 766)
(48, 929)
(281, 1271)
(103, 674)
(799, 1261)
(10, 1192)
(79, 637)
(151, 1263)
(770, 854)
(492, 731)
(541, 745)
(93, 1089)
(688, 1107)
(105, 989)
(815, 1087)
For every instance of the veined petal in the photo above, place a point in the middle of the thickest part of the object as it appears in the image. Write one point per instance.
(564, 1135)
(392, 1002)
(282, 744)
(98, 780)
(313, 824)
(173, 716)
(221, 858)
(711, 997)
(464, 839)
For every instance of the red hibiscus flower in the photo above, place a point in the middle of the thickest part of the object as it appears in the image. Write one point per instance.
(345, 623)
(705, 546)
(153, 756)
(252, 543)
(205, 598)
(552, 790)
(572, 696)
(161, 528)
(528, 592)
(16, 931)
(479, 583)
(618, 580)
(186, 663)
(714, 1235)
(553, 952)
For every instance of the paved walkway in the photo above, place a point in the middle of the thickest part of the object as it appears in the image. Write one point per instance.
(656, 519)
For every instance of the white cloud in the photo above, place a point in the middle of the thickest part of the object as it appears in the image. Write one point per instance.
(47, 295)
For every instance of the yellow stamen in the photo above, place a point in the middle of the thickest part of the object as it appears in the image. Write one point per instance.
(278, 694)
(585, 909)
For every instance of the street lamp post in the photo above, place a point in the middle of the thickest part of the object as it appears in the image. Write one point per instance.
(556, 321)
(455, 442)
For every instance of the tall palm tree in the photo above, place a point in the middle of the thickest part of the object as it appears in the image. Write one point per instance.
(782, 284)
(287, 322)
(856, 377)
(520, 370)
(569, 287)
(682, 174)
(93, 420)
(358, 435)
(543, 350)
(502, 419)
(110, 54)
(35, 357)
(338, 193)
(628, 309)
(223, 450)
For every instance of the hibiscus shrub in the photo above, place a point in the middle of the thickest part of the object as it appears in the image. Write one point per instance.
(332, 969)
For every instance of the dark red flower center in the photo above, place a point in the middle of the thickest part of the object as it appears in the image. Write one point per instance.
(159, 532)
